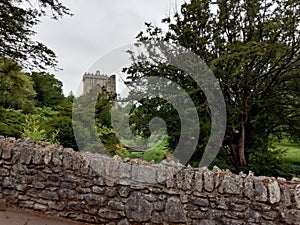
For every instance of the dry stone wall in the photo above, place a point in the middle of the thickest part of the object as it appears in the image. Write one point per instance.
(99, 189)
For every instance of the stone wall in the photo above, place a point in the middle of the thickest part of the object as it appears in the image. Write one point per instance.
(99, 189)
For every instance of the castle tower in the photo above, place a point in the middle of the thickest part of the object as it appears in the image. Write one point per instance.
(90, 80)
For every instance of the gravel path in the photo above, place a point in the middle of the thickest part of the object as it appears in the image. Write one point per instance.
(13, 216)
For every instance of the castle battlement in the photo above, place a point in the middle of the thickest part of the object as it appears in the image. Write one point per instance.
(92, 79)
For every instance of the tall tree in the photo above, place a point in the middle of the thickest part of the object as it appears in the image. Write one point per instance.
(17, 20)
(253, 47)
(16, 87)
(48, 89)
(91, 120)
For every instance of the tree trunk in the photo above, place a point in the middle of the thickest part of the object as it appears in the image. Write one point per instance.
(241, 145)
(244, 120)
(234, 147)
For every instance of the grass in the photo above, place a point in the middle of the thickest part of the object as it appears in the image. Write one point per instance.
(290, 162)
(293, 152)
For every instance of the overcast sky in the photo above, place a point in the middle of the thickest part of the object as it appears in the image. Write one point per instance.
(97, 27)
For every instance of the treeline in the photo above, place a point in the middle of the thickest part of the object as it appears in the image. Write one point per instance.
(32, 105)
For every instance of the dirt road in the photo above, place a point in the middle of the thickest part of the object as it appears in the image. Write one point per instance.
(13, 216)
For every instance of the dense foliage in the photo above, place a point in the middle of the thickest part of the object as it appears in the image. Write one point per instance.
(253, 49)
(33, 106)
(16, 90)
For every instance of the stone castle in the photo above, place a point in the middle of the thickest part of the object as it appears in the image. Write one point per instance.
(92, 79)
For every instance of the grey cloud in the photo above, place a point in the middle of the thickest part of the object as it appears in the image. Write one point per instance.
(97, 27)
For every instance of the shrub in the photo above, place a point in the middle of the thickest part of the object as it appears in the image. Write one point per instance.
(154, 154)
